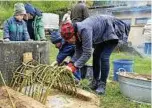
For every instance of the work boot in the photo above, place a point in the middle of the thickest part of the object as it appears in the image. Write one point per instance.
(101, 88)
(94, 84)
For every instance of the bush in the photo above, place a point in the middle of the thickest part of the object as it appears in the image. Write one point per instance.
(6, 7)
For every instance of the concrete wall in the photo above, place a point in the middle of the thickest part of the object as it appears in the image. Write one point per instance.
(133, 16)
(11, 55)
(135, 35)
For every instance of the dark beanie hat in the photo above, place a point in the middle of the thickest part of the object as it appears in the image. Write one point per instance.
(55, 37)
(29, 9)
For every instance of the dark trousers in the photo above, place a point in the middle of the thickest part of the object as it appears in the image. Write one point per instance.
(101, 56)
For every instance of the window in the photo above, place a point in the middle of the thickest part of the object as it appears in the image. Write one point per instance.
(141, 21)
(128, 21)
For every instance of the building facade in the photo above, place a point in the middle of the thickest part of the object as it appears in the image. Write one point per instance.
(136, 15)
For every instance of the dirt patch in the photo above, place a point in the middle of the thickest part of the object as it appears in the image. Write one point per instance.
(136, 76)
(56, 99)
(61, 100)
(19, 100)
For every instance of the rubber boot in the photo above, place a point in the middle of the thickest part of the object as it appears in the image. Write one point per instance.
(101, 88)
(94, 84)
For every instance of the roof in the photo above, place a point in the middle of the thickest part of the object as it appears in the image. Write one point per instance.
(131, 9)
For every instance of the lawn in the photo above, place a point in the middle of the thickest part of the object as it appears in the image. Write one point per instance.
(113, 97)
(1, 34)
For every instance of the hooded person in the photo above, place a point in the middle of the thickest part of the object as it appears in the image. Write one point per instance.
(65, 49)
(103, 32)
(34, 22)
(15, 28)
(66, 17)
(79, 12)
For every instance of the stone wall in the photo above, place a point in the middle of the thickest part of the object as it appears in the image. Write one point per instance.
(11, 55)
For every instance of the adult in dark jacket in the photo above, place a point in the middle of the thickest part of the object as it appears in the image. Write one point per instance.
(79, 12)
(101, 32)
(35, 25)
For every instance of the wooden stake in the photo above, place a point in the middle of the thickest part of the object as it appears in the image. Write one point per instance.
(13, 105)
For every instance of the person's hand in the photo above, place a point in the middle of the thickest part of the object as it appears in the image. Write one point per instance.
(77, 75)
(43, 39)
(54, 63)
(25, 17)
(71, 67)
(6, 40)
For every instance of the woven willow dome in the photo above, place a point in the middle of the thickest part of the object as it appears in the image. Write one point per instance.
(36, 80)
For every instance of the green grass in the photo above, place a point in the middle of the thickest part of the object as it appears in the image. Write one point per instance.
(1, 34)
(113, 97)
(59, 7)
(53, 53)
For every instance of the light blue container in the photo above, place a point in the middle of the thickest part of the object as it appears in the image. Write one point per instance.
(122, 65)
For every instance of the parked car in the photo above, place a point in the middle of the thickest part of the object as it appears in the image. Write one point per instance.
(51, 21)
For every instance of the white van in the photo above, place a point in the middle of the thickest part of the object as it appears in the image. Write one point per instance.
(51, 21)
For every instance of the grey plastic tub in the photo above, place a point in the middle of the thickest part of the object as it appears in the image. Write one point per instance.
(135, 89)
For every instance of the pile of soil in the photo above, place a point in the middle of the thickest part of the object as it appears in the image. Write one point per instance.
(136, 76)
(19, 99)
(56, 99)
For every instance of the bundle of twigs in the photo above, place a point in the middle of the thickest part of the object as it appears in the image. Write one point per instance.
(36, 80)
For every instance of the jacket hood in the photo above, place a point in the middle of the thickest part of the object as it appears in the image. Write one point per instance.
(32, 10)
(55, 37)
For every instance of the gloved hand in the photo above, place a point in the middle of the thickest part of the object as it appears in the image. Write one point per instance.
(43, 40)
(77, 75)
(76, 72)
(54, 63)
(71, 67)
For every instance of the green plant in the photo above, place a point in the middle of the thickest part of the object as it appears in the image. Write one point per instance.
(1, 34)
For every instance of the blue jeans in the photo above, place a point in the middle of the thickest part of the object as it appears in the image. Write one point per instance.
(101, 55)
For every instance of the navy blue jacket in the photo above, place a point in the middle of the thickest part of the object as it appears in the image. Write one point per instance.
(95, 30)
(66, 50)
